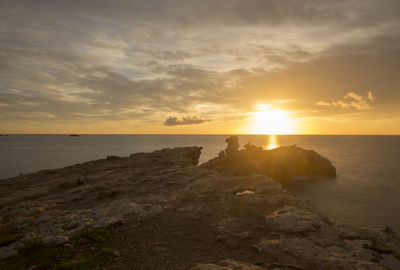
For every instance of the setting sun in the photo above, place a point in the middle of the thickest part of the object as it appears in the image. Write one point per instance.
(272, 122)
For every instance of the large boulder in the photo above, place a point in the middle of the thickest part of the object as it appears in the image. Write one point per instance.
(288, 163)
(295, 162)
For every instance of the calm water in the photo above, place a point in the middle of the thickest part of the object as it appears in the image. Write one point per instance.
(366, 191)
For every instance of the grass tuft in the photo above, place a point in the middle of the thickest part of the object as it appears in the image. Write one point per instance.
(88, 252)
(8, 235)
(88, 262)
(90, 235)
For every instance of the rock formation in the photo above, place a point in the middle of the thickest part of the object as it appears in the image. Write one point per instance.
(176, 215)
(285, 164)
(233, 145)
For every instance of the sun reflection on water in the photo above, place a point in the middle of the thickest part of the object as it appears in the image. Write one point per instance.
(272, 142)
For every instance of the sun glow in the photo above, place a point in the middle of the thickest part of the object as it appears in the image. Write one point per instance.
(272, 122)
(272, 142)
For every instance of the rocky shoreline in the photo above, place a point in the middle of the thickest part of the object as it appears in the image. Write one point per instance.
(165, 212)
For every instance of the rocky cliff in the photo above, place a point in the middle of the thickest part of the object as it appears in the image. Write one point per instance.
(162, 211)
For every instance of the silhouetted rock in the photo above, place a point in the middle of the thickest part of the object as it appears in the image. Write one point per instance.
(194, 154)
(112, 157)
(233, 145)
(288, 163)
(252, 148)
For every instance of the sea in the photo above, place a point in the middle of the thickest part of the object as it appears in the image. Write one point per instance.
(366, 191)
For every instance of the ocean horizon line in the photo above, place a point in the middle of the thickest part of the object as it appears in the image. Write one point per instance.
(197, 134)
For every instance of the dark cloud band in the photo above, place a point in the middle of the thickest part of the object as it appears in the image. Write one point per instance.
(189, 120)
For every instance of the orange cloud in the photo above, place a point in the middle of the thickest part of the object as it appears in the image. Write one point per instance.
(352, 100)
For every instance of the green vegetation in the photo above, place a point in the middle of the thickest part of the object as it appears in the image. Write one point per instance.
(89, 235)
(69, 227)
(8, 235)
(88, 262)
(87, 252)
(35, 252)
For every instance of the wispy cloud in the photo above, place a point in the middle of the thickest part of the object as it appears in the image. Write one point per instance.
(189, 120)
(351, 100)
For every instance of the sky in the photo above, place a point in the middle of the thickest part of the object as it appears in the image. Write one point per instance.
(200, 66)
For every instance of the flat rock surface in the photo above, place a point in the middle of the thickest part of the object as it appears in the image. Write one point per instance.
(175, 215)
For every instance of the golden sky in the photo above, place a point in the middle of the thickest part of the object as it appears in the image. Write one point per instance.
(200, 67)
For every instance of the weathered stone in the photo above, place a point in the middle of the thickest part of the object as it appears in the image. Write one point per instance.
(227, 265)
(310, 256)
(247, 215)
(291, 219)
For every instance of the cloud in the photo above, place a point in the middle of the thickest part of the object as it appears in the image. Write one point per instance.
(189, 120)
(352, 100)
(370, 96)
(141, 60)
